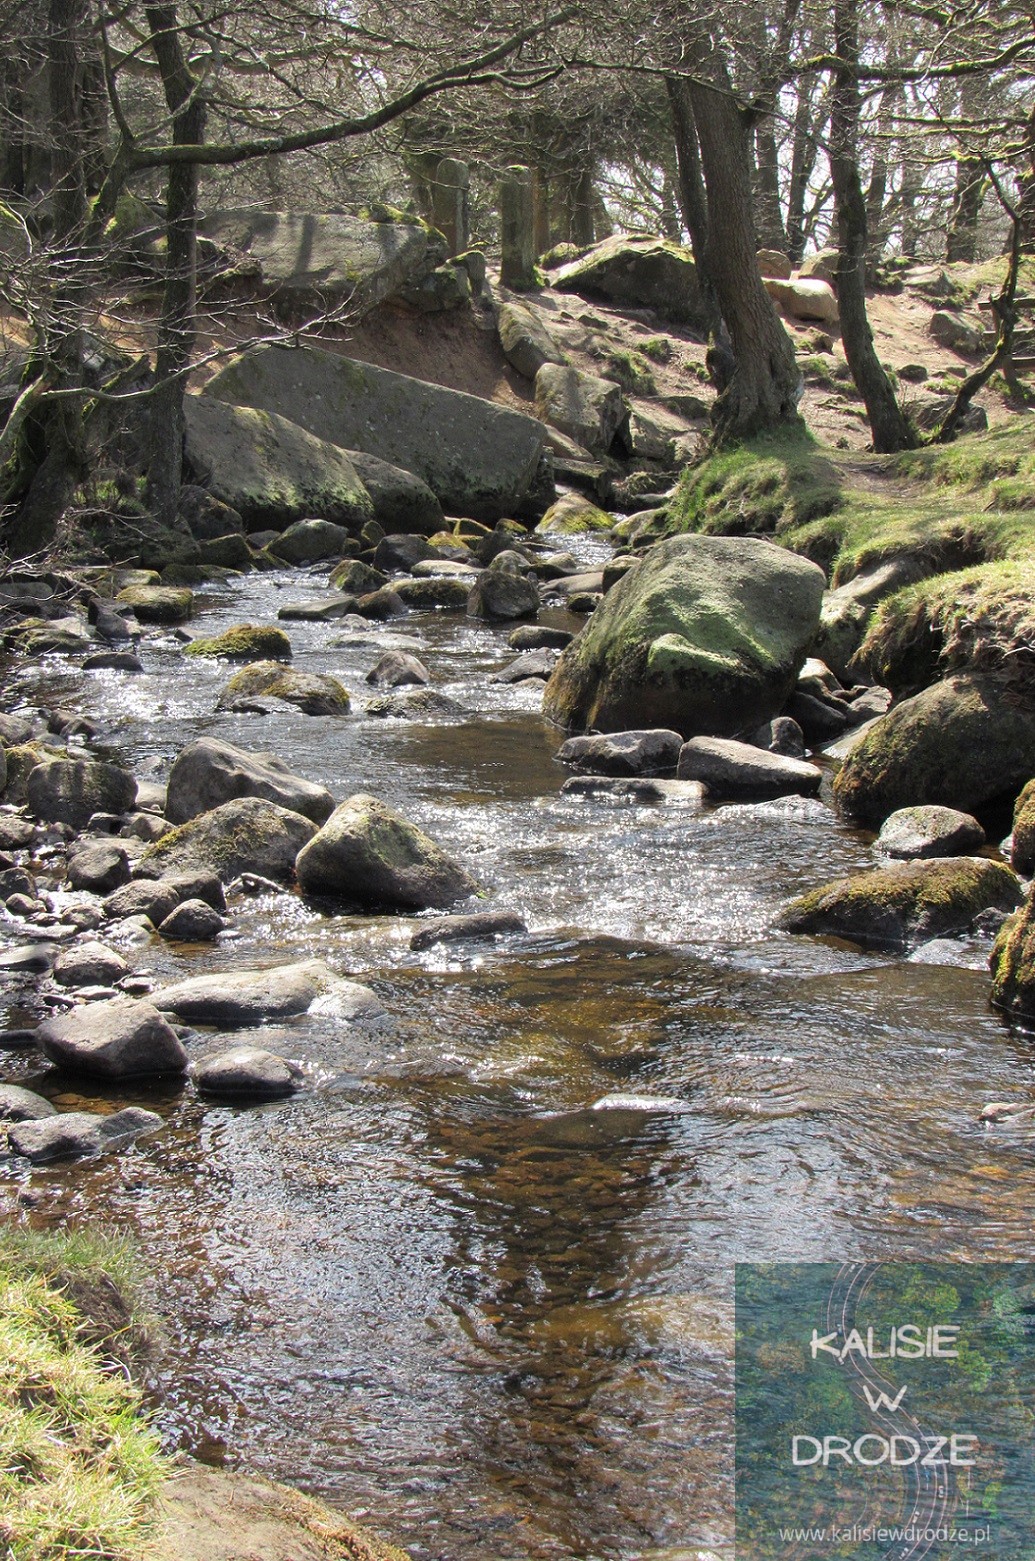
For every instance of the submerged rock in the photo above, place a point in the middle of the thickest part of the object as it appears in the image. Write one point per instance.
(77, 1135)
(23, 1105)
(706, 635)
(314, 693)
(908, 903)
(118, 1039)
(369, 855)
(464, 929)
(208, 773)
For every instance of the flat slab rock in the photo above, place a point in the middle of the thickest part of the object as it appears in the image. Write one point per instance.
(733, 769)
(75, 1135)
(247, 1072)
(460, 929)
(640, 788)
(120, 1038)
(623, 753)
(248, 997)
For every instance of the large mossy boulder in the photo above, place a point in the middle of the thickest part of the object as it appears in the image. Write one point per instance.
(370, 856)
(573, 514)
(1012, 962)
(244, 642)
(705, 636)
(269, 469)
(314, 693)
(157, 603)
(309, 261)
(908, 903)
(961, 743)
(1022, 845)
(479, 459)
(632, 269)
(310, 541)
(208, 773)
(249, 835)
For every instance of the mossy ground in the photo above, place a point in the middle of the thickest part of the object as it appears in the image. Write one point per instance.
(80, 1469)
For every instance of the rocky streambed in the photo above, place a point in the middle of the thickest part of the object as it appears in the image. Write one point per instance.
(466, 1271)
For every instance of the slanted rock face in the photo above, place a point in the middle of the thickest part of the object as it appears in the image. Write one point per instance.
(907, 903)
(634, 270)
(525, 338)
(118, 1039)
(369, 855)
(588, 409)
(401, 500)
(960, 743)
(478, 459)
(77, 1134)
(732, 769)
(315, 260)
(208, 773)
(247, 836)
(1022, 849)
(706, 635)
(70, 791)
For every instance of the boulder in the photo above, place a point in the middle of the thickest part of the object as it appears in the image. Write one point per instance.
(905, 904)
(499, 595)
(804, 298)
(370, 856)
(573, 514)
(208, 519)
(929, 831)
(22, 1105)
(208, 773)
(89, 964)
(1012, 963)
(396, 669)
(244, 642)
(269, 469)
(534, 664)
(479, 459)
(448, 592)
(308, 262)
(151, 897)
(118, 1039)
(774, 263)
(956, 332)
(732, 769)
(961, 743)
(402, 501)
(308, 541)
(588, 409)
(465, 929)
(525, 338)
(656, 434)
(1022, 845)
(98, 866)
(823, 264)
(158, 603)
(246, 836)
(314, 693)
(535, 636)
(628, 269)
(247, 1073)
(71, 791)
(76, 1135)
(781, 736)
(249, 997)
(705, 635)
(355, 578)
(622, 753)
(847, 610)
(193, 921)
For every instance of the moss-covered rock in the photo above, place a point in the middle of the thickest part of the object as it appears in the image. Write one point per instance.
(962, 742)
(314, 693)
(22, 759)
(1022, 848)
(573, 514)
(245, 642)
(630, 269)
(249, 835)
(158, 603)
(705, 636)
(449, 592)
(1012, 963)
(369, 855)
(356, 578)
(904, 904)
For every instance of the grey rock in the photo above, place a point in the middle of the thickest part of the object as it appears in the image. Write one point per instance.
(525, 338)
(99, 866)
(70, 791)
(122, 1038)
(640, 789)
(396, 669)
(248, 997)
(781, 735)
(369, 855)
(634, 269)
(28, 959)
(89, 964)
(193, 921)
(535, 664)
(77, 1135)
(308, 541)
(623, 753)
(463, 929)
(247, 1072)
(733, 769)
(501, 596)
(588, 409)
(113, 661)
(22, 1105)
(246, 836)
(208, 773)
(929, 831)
(150, 897)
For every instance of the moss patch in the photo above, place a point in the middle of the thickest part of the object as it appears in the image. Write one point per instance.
(245, 642)
(763, 487)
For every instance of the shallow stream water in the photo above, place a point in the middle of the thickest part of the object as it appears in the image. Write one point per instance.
(435, 1288)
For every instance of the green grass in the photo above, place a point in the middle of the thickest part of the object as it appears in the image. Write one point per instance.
(763, 487)
(79, 1467)
(631, 370)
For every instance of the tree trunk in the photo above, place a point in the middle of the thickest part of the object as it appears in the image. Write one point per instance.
(693, 201)
(889, 425)
(803, 160)
(771, 231)
(176, 328)
(765, 386)
(962, 238)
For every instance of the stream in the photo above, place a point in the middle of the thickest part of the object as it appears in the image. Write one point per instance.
(435, 1289)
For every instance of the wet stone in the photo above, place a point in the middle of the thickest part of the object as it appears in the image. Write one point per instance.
(77, 1135)
(193, 921)
(23, 1105)
(89, 964)
(247, 1072)
(462, 929)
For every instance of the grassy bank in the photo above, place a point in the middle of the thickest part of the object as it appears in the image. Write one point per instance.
(965, 513)
(80, 1470)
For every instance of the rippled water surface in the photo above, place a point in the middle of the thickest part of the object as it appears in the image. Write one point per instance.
(436, 1288)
